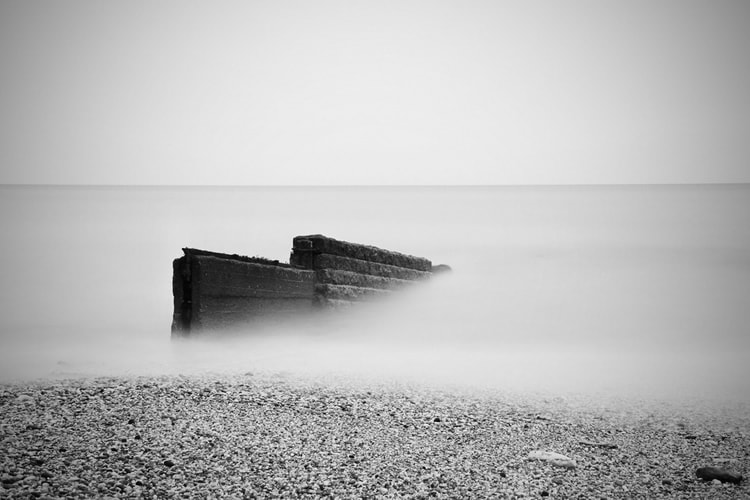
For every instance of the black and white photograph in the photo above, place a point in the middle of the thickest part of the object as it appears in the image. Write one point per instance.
(359, 249)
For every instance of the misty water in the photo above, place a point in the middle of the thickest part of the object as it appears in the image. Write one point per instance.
(632, 289)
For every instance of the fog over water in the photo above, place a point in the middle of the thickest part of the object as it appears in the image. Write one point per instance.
(568, 289)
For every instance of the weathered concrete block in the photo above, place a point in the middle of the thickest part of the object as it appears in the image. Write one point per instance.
(182, 303)
(303, 246)
(328, 261)
(350, 293)
(231, 278)
(220, 313)
(213, 290)
(221, 291)
(337, 277)
(322, 302)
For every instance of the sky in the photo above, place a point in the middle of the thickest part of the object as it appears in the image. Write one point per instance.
(374, 92)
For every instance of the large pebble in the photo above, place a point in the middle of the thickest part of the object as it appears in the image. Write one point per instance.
(554, 458)
(717, 473)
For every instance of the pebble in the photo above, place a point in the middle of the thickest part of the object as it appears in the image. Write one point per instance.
(265, 437)
(718, 474)
(553, 458)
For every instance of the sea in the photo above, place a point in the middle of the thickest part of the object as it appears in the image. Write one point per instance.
(633, 289)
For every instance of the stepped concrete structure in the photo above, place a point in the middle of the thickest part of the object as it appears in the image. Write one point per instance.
(217, 291)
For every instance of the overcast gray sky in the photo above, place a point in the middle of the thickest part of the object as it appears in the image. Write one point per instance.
(374, 92)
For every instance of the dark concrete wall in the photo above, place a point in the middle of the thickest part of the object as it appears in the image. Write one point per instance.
(349, 272)
(215, 292)
(317, 244)
(219, 291)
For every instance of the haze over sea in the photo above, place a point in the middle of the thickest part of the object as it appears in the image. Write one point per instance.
(641, 289)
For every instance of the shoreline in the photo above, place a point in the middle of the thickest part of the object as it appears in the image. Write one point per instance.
(271, 435)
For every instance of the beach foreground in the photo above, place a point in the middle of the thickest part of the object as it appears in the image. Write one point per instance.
(277, 436)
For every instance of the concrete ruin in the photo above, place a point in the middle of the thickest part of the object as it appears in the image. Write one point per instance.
(217, 291)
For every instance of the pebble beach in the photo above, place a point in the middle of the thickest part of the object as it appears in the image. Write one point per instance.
(280, 436)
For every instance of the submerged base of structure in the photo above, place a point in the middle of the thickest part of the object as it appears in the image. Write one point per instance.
(216, 291)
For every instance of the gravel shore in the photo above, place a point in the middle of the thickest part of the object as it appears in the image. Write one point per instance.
(265, 436)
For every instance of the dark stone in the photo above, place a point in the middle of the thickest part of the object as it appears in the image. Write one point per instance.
(323, 244)
(545, 493)
(217, 291)
(233, 256)
(327, 261)
(221, 293)
(168, 463)
(723, 475)
(348, 292)
(350, 278)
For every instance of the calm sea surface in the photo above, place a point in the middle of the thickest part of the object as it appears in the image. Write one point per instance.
(563, 288)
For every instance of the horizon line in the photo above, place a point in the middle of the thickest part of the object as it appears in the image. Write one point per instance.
(499, 185)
